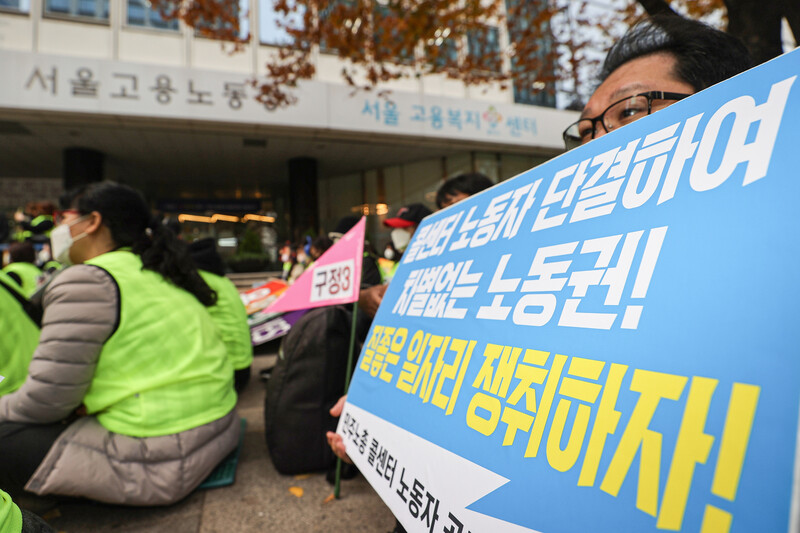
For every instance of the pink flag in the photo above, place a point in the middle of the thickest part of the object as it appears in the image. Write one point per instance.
(333, 279)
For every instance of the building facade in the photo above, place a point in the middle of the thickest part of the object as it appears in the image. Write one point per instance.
(108, 89)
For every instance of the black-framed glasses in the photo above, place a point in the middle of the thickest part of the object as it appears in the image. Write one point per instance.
(616, 115)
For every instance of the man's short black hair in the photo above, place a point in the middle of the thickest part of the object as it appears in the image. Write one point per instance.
(704, 55)
(468, 184)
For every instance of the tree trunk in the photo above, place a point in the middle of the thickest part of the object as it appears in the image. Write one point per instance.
(758, 24)
(792, 13)
(657, 7)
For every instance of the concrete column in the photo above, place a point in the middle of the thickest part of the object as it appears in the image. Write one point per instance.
(82, 166)
(303, 201)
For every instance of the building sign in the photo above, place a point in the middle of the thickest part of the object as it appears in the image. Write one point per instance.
(606, 342)
(55, 83)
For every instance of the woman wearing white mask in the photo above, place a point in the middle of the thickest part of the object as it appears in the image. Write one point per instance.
(129, 397)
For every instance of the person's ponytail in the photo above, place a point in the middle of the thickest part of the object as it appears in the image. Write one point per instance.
(127, 215)
(161, 251)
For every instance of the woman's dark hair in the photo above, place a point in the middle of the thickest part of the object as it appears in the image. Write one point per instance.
(704, 55)
(468, 184)
(127, 215)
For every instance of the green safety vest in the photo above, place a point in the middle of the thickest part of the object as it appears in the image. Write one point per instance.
(39, 220)
(19, 337)
(52, 264)
(230, 316)
(10, 515)
(28, 273)
(387, 268)
(25, 234)
(164, 369)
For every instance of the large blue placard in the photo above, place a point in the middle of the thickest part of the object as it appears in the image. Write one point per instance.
(606, 342)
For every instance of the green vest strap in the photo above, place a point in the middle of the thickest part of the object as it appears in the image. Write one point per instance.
(18, 339)
(28, 273)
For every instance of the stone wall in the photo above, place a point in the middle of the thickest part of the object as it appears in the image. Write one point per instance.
(16, 192)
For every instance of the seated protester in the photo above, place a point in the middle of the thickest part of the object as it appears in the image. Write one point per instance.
(37, 223)
(286, 260)
(229, 313)
(19, 337)
(301, 260)
(460, 187)
(389, 262)
(129, 396)
(16, 520)
(10, 515)
(21, 267)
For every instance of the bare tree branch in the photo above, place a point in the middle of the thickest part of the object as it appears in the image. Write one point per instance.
(380, 41)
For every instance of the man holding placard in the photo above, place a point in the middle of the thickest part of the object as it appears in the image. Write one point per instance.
(658, 62)
(493, 395)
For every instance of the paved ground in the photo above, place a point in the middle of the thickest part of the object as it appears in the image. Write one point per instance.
(260, 500)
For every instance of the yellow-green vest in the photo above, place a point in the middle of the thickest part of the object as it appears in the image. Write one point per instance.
(10, 515)
(18, 339)
(387, 268)
(41, 219)
(25, 234)
(28, 273)
(164, 370)
(230, 316)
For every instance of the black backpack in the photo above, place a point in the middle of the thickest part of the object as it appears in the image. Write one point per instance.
(306, 382)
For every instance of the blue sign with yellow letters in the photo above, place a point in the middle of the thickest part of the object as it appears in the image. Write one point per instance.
(606, 342)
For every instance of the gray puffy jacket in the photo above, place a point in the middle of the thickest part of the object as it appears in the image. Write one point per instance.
(81, 311)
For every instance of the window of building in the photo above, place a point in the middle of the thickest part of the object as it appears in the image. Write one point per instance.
(23, 6)
(385, 19)
(272, 33)
(326, 10)
(535, 93)
(488, 163)
(446, 49)
(456, 164)
(528, 86)
(85, 9)
(391, 49)
(484, 48)
(240, 12)
(141, 14)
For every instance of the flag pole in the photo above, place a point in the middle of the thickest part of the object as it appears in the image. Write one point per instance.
(337, 487)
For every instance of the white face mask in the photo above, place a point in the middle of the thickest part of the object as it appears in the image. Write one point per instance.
(61, 241)
(388, 254)
(400, 239)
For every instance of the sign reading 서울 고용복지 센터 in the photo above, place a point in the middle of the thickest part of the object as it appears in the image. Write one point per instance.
(606, 342)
